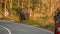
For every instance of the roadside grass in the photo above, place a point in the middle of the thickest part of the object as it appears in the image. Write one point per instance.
(41, 24)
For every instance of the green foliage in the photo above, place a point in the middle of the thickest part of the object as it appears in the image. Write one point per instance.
(1, 14)
(15, 1)
(14, 12)
(15, 7)
(32, 21)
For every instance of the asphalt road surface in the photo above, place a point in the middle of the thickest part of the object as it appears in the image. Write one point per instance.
(16, 28)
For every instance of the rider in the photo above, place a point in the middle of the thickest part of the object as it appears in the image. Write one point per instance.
(57, 15)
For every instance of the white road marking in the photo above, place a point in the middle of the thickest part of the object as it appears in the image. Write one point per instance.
(6, 29)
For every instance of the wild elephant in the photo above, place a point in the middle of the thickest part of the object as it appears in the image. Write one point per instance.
(23, 13)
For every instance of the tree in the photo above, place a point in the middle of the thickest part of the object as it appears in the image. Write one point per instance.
(0, 3)
(18, 3)
(5, 2)
(10, 4)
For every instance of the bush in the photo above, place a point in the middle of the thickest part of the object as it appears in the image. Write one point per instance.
(32, 21)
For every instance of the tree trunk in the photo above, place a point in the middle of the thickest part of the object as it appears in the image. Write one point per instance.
(18, 3)
(5, 5)
(10, 5)
(0, 3)
(10, 2)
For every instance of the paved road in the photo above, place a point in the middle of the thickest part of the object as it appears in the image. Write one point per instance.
(16, 28)
(3, 31)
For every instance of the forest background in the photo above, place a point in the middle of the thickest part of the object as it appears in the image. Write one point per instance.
(41, 12)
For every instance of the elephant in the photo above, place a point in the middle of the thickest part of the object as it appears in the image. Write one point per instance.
(23, 13)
